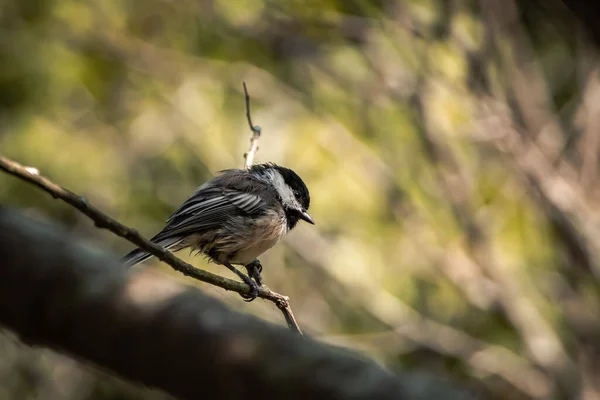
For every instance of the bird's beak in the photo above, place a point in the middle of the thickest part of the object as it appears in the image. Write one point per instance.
(306, 217)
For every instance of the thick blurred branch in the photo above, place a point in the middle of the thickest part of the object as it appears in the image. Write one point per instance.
(58, 292)
(102, 220)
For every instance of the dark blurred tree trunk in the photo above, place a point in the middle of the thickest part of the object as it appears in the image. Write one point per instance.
(59, 293)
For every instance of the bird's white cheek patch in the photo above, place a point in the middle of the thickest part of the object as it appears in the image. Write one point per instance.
(284, 191)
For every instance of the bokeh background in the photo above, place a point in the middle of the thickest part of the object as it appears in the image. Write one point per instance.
(451, 150)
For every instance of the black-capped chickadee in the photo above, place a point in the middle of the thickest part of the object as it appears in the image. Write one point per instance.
(235, 217)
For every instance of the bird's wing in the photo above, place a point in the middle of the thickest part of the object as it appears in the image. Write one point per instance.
(212, 205)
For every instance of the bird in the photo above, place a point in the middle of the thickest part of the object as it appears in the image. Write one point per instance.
(234, 218)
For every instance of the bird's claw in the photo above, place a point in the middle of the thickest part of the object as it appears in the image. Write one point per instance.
(254, 271)
(248, 297)
(247, 280)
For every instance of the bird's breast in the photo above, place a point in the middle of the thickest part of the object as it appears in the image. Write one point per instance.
(263, 234)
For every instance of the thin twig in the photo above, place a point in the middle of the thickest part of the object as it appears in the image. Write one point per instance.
(249, 156)
(103, 221)
(284, 303)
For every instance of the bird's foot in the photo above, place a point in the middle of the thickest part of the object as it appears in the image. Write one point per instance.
(253, 289)
(254, 271)
(247, 280)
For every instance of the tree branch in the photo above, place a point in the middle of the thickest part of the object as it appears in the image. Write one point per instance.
(59, 292)
(249, 156)
(102, 220)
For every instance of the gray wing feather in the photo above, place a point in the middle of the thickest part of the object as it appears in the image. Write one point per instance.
(209, 208)
(137, 256)
(248, 202)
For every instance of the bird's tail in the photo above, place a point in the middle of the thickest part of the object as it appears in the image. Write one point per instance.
(138, 255)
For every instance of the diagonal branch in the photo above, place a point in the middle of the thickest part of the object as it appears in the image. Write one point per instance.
(103, 221)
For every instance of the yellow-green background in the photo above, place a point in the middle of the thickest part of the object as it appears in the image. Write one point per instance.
(429, 252)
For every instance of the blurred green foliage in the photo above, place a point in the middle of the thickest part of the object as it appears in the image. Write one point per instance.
(133, 104)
